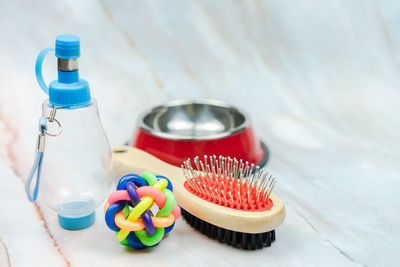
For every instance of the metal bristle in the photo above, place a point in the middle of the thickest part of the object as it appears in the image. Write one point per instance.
(227, 180)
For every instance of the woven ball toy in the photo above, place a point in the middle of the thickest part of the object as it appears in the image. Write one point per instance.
(127, 210)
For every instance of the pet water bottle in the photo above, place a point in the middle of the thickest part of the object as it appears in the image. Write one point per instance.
(73, 162)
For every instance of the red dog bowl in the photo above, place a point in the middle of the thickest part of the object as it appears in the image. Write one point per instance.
(184, 129)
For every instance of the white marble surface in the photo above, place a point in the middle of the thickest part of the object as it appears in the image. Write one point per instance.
(320, 81)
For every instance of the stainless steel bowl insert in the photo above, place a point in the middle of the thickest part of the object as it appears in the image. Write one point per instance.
(193, 120)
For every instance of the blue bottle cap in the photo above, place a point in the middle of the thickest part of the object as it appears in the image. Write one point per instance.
(69, 90)
(68, 46)
(76, 222)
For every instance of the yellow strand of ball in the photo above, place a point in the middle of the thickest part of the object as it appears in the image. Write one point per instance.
(140, 208)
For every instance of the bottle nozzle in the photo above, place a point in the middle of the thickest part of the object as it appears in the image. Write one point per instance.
(69, 90)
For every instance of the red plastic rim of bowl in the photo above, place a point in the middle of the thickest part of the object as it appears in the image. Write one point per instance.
(241, 145)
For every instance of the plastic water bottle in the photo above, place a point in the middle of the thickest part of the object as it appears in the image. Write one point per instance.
(74, 162)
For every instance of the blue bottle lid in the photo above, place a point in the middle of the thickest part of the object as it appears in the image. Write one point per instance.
(69, 90)
(68, 46)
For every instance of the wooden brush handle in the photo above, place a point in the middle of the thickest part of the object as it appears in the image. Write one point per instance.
(132, 160)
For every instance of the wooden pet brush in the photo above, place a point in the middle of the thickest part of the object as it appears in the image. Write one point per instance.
(225, 199)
